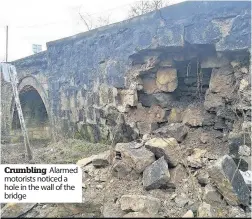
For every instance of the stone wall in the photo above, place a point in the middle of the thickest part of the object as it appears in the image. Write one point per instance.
(124, 80)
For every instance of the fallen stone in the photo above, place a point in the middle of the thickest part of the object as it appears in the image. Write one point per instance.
(146, 128)
(173, 130)
(193, 117)
(85, 161)
(211, 196)
(101, 160)
(120, 169)
(205, 210)
(111, 209)
(138, 214)
(203, 177)
(229, 181)
(204, 138)
(167, 79)
(175, 116)
(244, 150)
(167, 147)
(156, 175)
(15, 210)
(181, 200)
(213, 101)
(140, 203)
(188, 214)
(195, 159)
(177, 174)
(136, 158)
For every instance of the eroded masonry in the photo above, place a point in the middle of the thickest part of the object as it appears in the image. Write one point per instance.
(184, 64)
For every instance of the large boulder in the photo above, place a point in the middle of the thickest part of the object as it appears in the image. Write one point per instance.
(156, 175)
(167, 79)
(167, 147)
(137, 158)
(229, 181)
(140, 203)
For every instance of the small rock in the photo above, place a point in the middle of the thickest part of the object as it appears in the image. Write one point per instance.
(167, 147)
(156, 175)
(140, 203)
(188, 214)
(138, 214)
(84, 186)
(101, 160)
(244, 150)
(120, 169)
(177, 174)
(229, 181)
(85, 161)
(146, 128)
(181, 200)
(173, 196)
(204, 138)
(175, 116)
(211, 196)
(193, 117)
(195, 160)
(205, 210)
(203, 177)
(173, 130)
(99, 186)
(136, 158)
(244, 70)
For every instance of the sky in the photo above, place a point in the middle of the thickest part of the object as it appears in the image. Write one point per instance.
(40, 21)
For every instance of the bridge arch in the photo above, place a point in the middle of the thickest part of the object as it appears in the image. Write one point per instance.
(35, 107)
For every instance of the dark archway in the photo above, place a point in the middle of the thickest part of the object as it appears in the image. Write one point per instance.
(35, 114)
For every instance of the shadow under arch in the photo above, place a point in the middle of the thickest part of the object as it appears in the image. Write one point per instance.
(35, 107)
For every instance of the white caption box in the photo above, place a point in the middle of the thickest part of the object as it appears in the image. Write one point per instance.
(44, 183)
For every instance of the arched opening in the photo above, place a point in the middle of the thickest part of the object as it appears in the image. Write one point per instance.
(35, 115)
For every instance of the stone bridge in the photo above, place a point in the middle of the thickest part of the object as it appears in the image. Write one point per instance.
(123, 80)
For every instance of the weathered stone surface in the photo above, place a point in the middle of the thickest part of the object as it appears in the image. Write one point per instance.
(181, 200)
(101, 160)
(140, 203)
(203, 177)
(167, 79)
(188, 214)
(211, 196)
(214, 62)
(15, 210)
(128, 97)
(205, 210)
(222, 82)
(204, 138)
(85, 161)
(156, 175)
(244, 150)
(120, 169)
(167, 147)
(195, 159)
(138, 158)
(193, 117)
(111, 209)
(177, 174)
(150, 86)
(146, 128)
(229, 181)
(173, 130)
(138, 214)
(213, 101)
(175, 115)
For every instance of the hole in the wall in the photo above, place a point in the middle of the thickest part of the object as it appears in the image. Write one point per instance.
(34, 112)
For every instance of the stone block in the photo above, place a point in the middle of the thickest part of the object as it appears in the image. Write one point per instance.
(140, 203)
(167, 79)
(175, 115)
(193, 117)
(156, 175)
(137, 158)
(120, 169)
(146, 128)
(167, 147)
(101, 160)
(229, 181)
